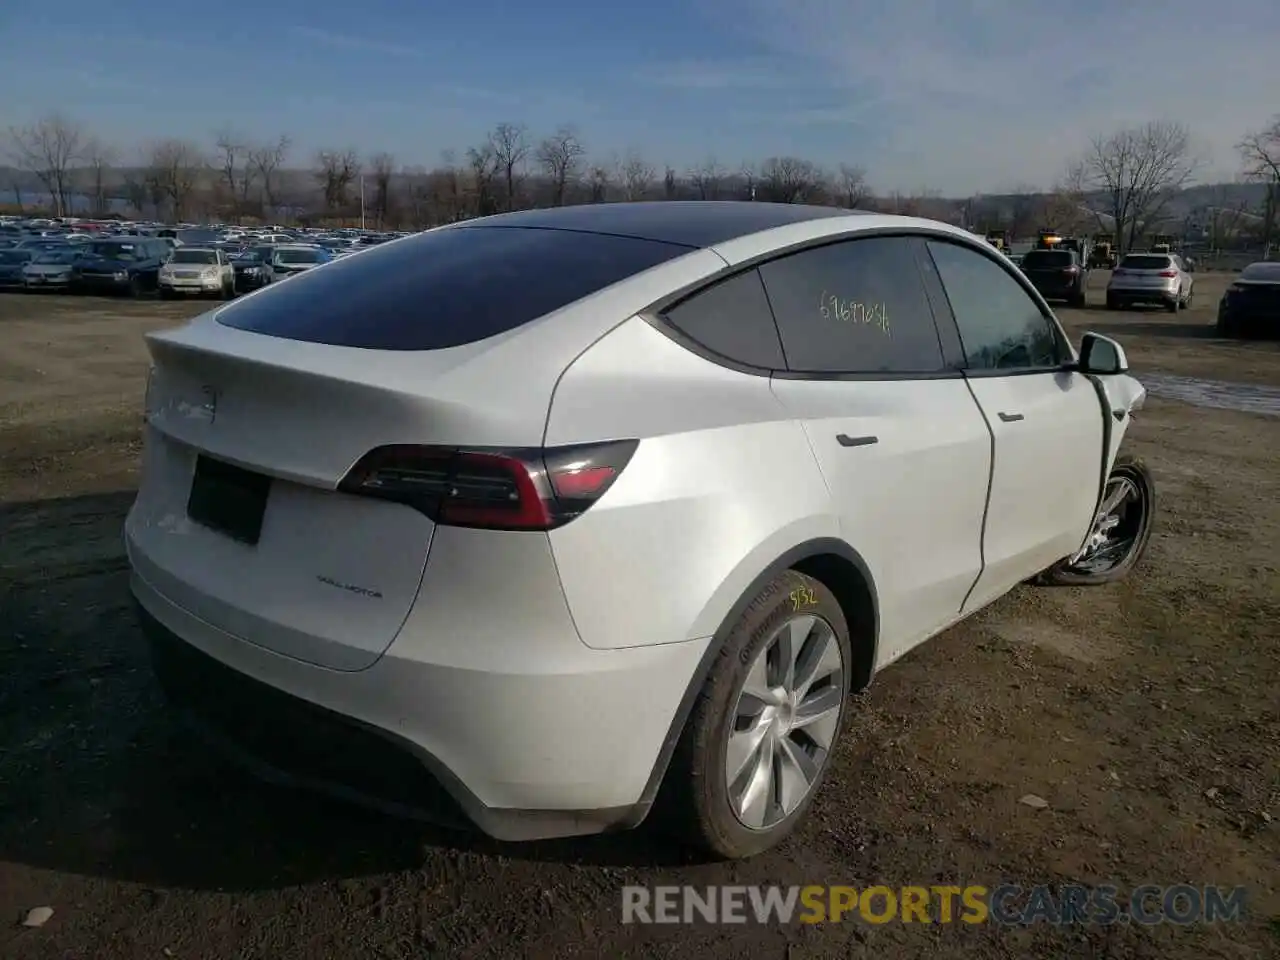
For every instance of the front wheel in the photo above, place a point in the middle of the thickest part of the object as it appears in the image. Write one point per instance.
(759, 738)
(1120, 533)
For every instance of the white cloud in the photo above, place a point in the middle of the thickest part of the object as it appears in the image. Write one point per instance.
(973, 95)
(346, 41)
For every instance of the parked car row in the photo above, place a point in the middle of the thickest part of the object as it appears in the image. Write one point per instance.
(138, 266)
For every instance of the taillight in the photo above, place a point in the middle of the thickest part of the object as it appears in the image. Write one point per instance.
(495, 489)
(1072, 270)
(1169, 274)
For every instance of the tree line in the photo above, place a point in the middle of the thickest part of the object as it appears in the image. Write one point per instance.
(1123, 182)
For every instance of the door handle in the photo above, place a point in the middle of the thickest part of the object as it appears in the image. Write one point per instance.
(1011, 417)
(847, 441)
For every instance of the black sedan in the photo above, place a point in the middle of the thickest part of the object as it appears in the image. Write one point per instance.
(251, 271)
(1251, 305)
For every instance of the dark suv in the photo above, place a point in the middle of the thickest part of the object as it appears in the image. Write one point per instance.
(1057, 274)
(120, 265)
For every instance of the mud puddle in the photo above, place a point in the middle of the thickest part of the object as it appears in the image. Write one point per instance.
(1246, 397)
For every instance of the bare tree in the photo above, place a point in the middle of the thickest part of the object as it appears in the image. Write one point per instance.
(47, 149)
(598, 182)
(903, 204)
(1137, 171)
(485, 167)
(670, 183)
(383, 165)
(266, 160)
(851, 182)
(136, 192)
(560, 156)
(173, 173)
(637, 176)
(750, 181)
(788, 179)
(1260, 152)
(98, 160)
(706, 179)
(509, 147)
(235, 168)
(336, 170)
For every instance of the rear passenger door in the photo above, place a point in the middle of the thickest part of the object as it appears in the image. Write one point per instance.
(1046, 420)
(900, 441)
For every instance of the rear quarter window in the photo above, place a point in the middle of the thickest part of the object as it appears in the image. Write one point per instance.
(445, 288)
(733, 321)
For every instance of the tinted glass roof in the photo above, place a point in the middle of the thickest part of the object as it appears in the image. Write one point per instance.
(693, 223)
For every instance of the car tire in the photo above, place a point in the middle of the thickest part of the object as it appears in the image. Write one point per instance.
(166, 293)
(1079, 300)
(1113, 303)
(1191, 297)
(1174, 305)
(698, 782)
(1065, 574)
(135, 287)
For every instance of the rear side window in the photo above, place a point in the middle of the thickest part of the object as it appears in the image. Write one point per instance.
(732, 320)
(858, 306)
(1145, 262)
(1047, 259)
(445, 288)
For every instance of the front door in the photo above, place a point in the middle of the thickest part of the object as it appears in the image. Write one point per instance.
(1046, 421)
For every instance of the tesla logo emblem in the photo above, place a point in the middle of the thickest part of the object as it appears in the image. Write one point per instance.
(210, 405)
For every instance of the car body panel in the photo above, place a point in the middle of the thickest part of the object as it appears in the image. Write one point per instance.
(1042, 502)
(1134, 281)
(481, 648)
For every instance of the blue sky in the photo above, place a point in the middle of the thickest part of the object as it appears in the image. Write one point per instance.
(960, 96)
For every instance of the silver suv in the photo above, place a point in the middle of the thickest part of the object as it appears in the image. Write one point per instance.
(1157, 278)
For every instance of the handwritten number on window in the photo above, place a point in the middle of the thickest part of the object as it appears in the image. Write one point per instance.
(831, 307)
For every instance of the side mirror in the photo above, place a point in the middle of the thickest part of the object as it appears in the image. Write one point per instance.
(1101, 355)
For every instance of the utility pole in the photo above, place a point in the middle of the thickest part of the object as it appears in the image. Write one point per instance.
(362, 201)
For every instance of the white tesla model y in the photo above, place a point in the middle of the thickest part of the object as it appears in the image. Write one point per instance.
(519, 519)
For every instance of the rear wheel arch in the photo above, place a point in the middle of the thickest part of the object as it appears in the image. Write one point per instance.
(840, 568)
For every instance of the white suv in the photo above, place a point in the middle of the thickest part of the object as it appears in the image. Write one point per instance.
(1151, 278)
(553, 508)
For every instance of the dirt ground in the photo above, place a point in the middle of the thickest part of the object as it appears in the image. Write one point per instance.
(1147, 715)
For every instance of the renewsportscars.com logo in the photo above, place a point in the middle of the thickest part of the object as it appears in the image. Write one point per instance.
(1008, 904)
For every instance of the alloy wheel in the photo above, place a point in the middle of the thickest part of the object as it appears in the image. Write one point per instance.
(1117, 527)
(784, 721)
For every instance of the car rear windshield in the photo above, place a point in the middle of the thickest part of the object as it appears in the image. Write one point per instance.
(1145, 262)
(298, 256)
(445, 288)
(1036, 259)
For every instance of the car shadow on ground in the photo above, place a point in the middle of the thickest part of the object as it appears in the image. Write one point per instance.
(98, 779)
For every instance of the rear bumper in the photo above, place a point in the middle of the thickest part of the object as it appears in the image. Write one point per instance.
(1249, 323)
(1058, 292)
(191, 286)
(521, 750)
(1158, 295)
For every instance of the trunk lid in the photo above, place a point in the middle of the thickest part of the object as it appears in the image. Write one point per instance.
(248, 433)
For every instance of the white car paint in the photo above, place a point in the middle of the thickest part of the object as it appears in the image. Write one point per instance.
(542, 671)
